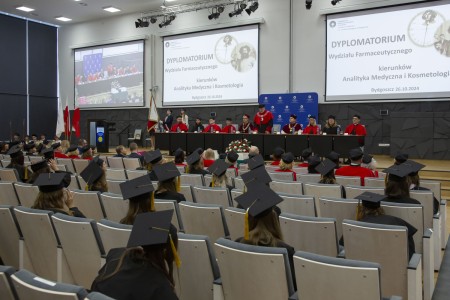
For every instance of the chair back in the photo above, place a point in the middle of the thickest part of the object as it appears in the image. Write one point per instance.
(434, 186)
(68, 162)
(7, 291)
(115, 162)
(192, 179)
(114, 186)
(348, 180)
(116, 208)
(9, 175)
(282, 176)
(171, 205)
(322, 190)
(26, 193)
(36, 159)
(133, 174)
(339, 209)
(89, 204)
(235, 218)
(207, 195)
(426, 198)
(131, 163)
(10, 235)
(113, 235)
(287, 187)
(374, 182)
(8, 194)
(80, 164)
(298, 205)
(116, 174)
(186, 190)
(308, 178)
(238, 183)
(352, 191)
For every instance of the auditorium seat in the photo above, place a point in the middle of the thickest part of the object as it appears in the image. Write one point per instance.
(36, 159)
(5, 162)
(352, 191)
(192, 179)
(113, 234)
(29, 286)
(115, 162)
(235, 218)
(199, 267)
(235, 193)
(82, 246)
(81, 183)
(97, 296)
(133, 174)
(181, 169)
(253, 272)
(300, 170)
(208, 179)
(47, 257)
(26, 193)
(116, 174)
(207, 195)
(62, 168)
(400, 276)
(270, 168)
(74, 184)
(89, 204)
(308, 178)
(10, 235)
(68, 163)
(322, 190)
(114, 186)
(339, 209)
(9, 175)
(310, 234)
(287, 187)
(186, 190)
(114, 205)
(238, 183)
(8, 194)
(374, 182)
(434, 186)
(330, 278)
(203, 219)
(80, 164)
(131, 163)
(282, 176)
(348, 180)
(171, 205)
(231, 173)
(298, 205)
(7, 290)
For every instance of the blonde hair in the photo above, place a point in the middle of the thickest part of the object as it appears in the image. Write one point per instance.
(209, 154)
(65, 144)
(284, 166)
(220, 181)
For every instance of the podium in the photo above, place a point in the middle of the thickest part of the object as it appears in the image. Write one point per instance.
(99, 135)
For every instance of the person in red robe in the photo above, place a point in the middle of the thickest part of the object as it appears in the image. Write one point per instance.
(229, 128)
(263, 120)
(58, 151)
(312, 127)
(356, 128)
(179, 126)
(276, 156)
(246, 126)
(293, 127)
(355, 169)
(212, 127)
(286, 164)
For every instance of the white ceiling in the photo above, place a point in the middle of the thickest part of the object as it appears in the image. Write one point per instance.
(82, 11)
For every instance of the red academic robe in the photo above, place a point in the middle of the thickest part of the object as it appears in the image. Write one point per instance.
(74, 157)
(263, 121)
(356, 129)
(181, 126)
(60, 155)
(290, 129)
(246, 128)
(295, 174)
(275, 163)
(303, 165)
(355, 170)
(311, 130)
(212, 128)
(208, 162)
(229, 129)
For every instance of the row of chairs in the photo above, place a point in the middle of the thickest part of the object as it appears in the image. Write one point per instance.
(55, 254)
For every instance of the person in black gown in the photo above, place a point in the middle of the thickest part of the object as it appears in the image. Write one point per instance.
(95, 175)
(168, 182)
(397, 188)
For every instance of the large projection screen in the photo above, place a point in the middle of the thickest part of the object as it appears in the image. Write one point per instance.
(389, 54)
(212, 67)
(110, 76)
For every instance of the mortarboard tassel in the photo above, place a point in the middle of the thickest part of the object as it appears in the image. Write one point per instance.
(175, 253)
(86, 188)
(212, 181)
(246, 229)
(186, 169)
(152, 202)
(26, 174)
(178, 184)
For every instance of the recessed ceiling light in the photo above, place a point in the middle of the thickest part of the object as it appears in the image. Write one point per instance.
(63, 19)
(111, 9)
(24, 8)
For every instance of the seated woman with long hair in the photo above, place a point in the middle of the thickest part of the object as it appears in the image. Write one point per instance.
(195, 164)
(86, 153)
(95, 176)
(219, 174)
(397, 187)
(326, 169)
(286, 164)
(179, 157)
(142, 270)
(72, 152)
(151, 159)
(54, 195)
(413, 180)
(42, 167)
(17, 163)
(168, 182)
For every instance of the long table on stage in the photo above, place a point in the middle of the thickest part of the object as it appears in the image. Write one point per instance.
(320, 144)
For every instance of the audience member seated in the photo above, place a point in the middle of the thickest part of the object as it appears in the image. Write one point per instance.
(43, 166)
(81, 143)
(312, 127)
(30, 149)
(313, 162)
(152, 159)
(229, 128)
(355, 169)
(370, 163)
(334, 157)
(219, 174)
(17, 162)
(179, 157)
(400, 158)
(252, 152)
(86, 153)
(168, 182)
(276, 156)
(414, 181)
(58, 151)
(231, 160)
(146, 266)
(4, 148)
(195, 164)
(397, 187)
(72, 152)
(95, 176)
(198, 126)
(306, 153)
(179, 126)
(212, 127)
(134, 152)
(208, 157)
(121, 151)
(326, 169)
(286, 164)
(65, 144)
(54, 195)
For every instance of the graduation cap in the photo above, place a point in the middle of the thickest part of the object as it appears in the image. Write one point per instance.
(48, 153)
(136, 187)
(92, 172)
(50, 182)
(29, 146)
(287, 157)
(355, 154)
(222, 155)
(151, 229)
(278, 152)
(166, 171)
(401, 157)
(255, 162)
(39, 165)
(333, 156)
(71, 148)
(56, 145)
(314, 161)
(218, 168)
(398, 172)
(229, 119)
(178, 152)
(232, 156)
(259, 175)
(15, 152)
(413, 166)
(325, 167)
(46, 142)
(199, 151)
(367, 159)
(370, 200)
(153, 157)
(306, 153)
(85, 149)
(193, 158)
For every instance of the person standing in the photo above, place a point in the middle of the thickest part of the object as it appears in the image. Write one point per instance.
(246, 126)
(293, 127)
(229, 128)
(168, 120)
(263, 120)
(184, 117)
(312, 127)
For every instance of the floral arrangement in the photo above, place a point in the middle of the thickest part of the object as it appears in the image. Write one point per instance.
(240, 146)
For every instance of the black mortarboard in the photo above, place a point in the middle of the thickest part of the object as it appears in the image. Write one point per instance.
(413, 166)
(45, 142)
(367, 158)
(218, 167)
(152, 157)
(334, 156)
(199, 151)
(222, 155)
(314, 161)
(294, 116)
(92, 172)
(48, 153)
(259, 200)
(56, 145)
(193, 158)
(397, 172)
(232, 156)
(85, 149)
(39, 165)
(150, 228)
(325, 167)
(256, 175)
(255, 162)
(166, 171)
(15, 151)
(261, 106)
(370, 199)
(355, 154)
(50, 182)
(67, 178)
(401, 157)
(278, 151)
(287, 157)
(136, 187)
(14, 143)
(306, 153)
(331, 117)
(72, 148)
(178, 152)
(229, 119)
(29, 146)
(98, 161)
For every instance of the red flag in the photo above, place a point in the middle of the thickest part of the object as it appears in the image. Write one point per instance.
(76, 122)
(152, 115)
(67, 122)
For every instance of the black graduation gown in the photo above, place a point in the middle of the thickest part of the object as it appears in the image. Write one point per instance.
(76, 212)
(435, 202)
(198, 171)
(153, 176)
(167, 195)
(330, 130)
(133, 281)
(135, 155)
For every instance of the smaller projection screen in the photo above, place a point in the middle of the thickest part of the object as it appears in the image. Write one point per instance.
(109, 76)
(212, 67)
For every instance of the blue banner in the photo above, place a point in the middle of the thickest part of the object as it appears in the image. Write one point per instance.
(283, 105)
